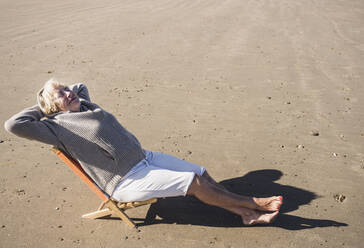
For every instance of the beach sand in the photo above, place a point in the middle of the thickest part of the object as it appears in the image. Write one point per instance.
(267, 95)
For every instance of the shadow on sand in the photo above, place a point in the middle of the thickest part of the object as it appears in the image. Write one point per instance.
(190, 211)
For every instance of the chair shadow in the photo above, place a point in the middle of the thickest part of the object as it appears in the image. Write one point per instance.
(190, 211)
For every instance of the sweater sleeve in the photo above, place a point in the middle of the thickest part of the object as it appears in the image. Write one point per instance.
(28, 124)
(81, 90)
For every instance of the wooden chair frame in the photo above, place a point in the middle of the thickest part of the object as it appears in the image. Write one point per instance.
(108, 205)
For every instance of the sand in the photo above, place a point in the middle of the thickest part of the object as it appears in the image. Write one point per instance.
(267, 95)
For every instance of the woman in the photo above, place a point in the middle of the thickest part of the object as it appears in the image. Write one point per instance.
(66, 118)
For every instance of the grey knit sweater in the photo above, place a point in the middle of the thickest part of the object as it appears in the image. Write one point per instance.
(103, 147)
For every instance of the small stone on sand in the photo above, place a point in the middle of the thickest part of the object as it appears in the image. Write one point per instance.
(315, 133)
(339, 197)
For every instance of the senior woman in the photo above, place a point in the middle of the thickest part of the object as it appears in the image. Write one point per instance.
(66, 118)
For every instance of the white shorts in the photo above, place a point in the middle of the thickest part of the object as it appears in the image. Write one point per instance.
(158, 175)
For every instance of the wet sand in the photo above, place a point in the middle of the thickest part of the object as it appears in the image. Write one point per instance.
(267, 95)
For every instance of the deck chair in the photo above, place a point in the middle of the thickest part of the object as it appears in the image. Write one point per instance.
(108, 205)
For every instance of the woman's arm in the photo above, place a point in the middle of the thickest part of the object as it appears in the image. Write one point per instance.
(81, 90)
(28, 124)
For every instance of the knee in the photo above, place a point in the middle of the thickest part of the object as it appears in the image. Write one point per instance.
(197, 183)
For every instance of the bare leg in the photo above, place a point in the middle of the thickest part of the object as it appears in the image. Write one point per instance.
(212, 181)
(248, 208)
(264, 204)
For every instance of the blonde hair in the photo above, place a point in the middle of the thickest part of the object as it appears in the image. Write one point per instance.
(45, 97)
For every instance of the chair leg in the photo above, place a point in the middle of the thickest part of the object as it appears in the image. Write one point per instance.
(112, 206)
(98, 214)
(103, 204)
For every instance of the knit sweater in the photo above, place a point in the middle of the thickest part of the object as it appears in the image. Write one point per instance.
(103, 147)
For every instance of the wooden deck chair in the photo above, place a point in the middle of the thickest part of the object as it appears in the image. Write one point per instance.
(108, 206)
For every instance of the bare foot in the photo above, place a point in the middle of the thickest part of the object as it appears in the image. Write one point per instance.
(253, 217)
(269, 204)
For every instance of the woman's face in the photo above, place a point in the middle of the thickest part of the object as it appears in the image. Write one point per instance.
(66, 99)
